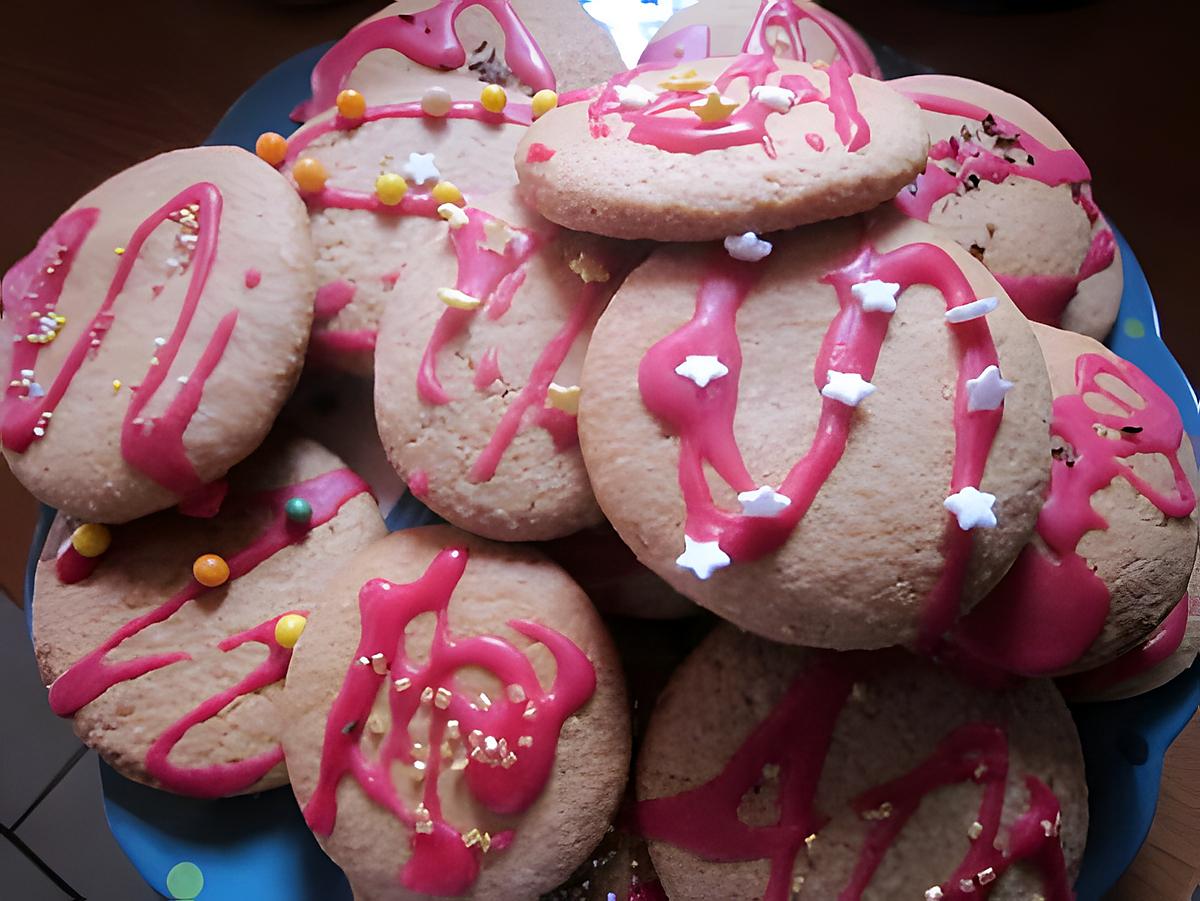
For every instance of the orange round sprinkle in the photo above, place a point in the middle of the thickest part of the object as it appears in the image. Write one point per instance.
(309, 174)
(351, 104)
(271, 147)
(210, 570)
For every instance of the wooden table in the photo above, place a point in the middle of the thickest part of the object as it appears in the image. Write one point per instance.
(88, 88)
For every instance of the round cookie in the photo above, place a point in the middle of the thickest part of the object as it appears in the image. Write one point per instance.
(775, 143)
(175, 684)
(775, 772)
(1166, 652)
(364, 247)
(522, 45)
(477, 369)
(792, 29)
(1116, 539)
(1000, 178)
(847, 526)
(495, 748)
(154, 333)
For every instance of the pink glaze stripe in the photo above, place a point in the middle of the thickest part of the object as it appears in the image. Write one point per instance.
(332, 298)
(746, 125)
(94, 674)
(222, 779)
(703, 418)
(787, 15)
(152, 446)
(1158, 648)
(1051, 606)
(494, 278)
(795, 738)
(1042, 298)
(439, 862)
(427, 38)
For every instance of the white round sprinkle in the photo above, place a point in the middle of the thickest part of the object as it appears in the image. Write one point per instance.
(436, 102)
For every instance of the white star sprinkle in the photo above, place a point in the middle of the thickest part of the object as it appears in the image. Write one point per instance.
(749, 248)
(972, 508)
(701, 369)
(775, 97)
(876, 296)
(972, 310)
(986, 391)
(634, 96)
(848, 387)
(934, 894)
(420, 168)
(763, 501)
(703, 558)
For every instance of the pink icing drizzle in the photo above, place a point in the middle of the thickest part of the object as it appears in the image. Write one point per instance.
(332, 298)
(1051, 606)
(1042, 298)
(418, 483)
(703, 418)
(426, 38)
(538, 153)
(253, 278)
(71, 566)
(487, 370)
(815, 141)
(1162, 643)
(746, 125)
(93, 674)
(787, 15)
(795, 737)
(494, 278)
(152, 446)
(440, 863)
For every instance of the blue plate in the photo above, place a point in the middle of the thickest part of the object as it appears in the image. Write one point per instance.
(259, 848)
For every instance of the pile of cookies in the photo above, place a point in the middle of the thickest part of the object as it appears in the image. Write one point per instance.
(743, 329)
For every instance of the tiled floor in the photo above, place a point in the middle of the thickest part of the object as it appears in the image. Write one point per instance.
(54, 841)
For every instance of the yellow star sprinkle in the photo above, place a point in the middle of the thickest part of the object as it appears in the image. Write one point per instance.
(564, 398)
(685, 81)
(452, 297)
(588, 268)
(713, 108)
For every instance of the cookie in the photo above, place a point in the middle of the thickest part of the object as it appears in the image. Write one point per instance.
(154, 333)
(791, 29)
(1001, 178)
(1116, 539)
(365, 235)
(772, 773)
(481, 757)
(719, 147)
(176, 682)
(523, 45)
(477, 369)
(821, 446)
(1167, 651)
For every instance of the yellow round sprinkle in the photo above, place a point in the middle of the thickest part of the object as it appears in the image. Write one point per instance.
(309, 174)
(493, 98)
(351, 104)
(447, 192)
(271, 147)
(390, 188)
(288, 629)
(91, 539)
(436, 102)
(544, 101)
(116, 385)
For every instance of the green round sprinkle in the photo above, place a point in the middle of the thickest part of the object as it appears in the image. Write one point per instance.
(1134, 328)
(185, 881)
(298, 509)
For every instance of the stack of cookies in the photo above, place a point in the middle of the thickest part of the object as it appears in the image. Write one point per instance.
(743, 337)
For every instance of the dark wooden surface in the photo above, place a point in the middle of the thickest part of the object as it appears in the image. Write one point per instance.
(89, 87)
